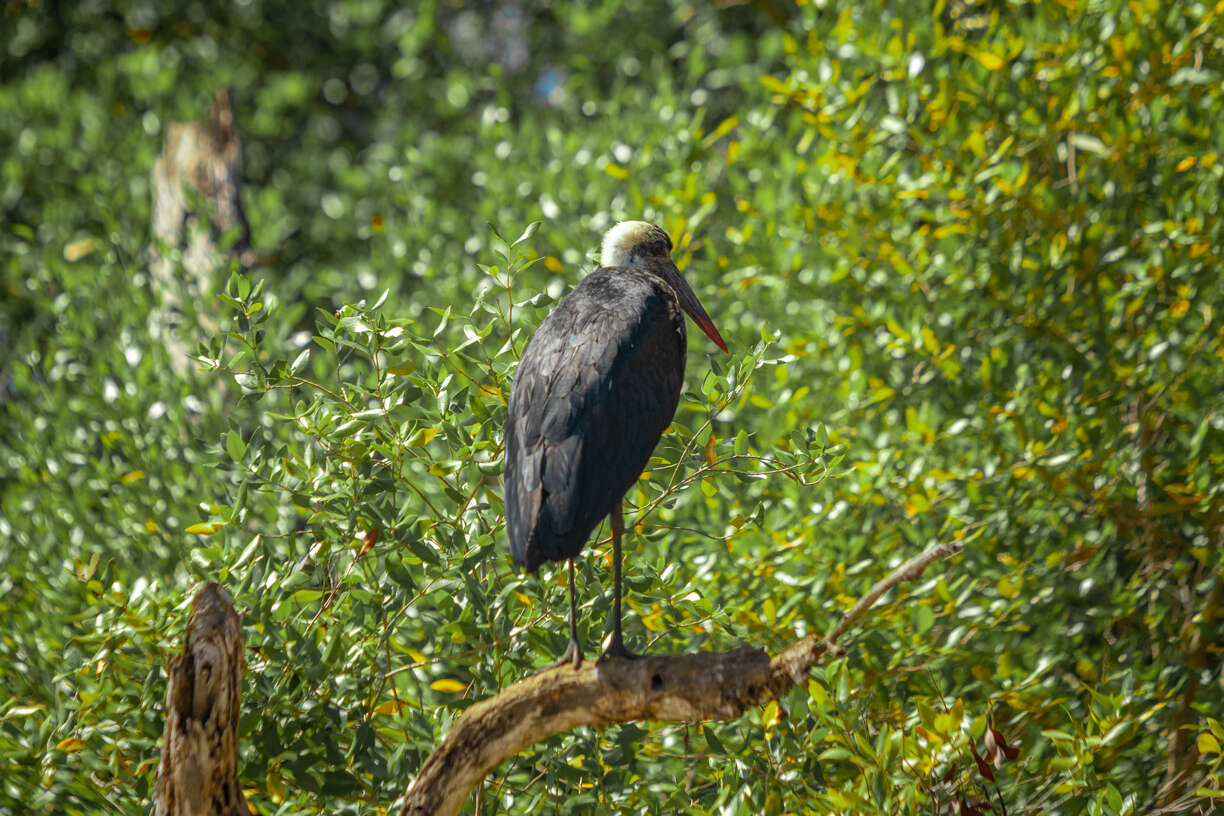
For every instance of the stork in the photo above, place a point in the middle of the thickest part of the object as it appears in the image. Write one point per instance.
(595, 389)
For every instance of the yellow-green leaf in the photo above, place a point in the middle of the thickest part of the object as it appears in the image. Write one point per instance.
(422, 437)
(774, 84)
(724, 127)
(992, 62)
(205, 528)
(1208, 744)
(916, 504)
(79, 249)
(895, 328)
(976, 143)
(769, 715)
(447, 685)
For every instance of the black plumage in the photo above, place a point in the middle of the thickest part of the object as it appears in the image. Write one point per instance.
(596, 387)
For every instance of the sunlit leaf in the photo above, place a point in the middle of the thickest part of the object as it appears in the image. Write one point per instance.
(448, 686)
(205, 528)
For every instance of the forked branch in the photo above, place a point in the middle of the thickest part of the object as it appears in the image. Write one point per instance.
(680, 688)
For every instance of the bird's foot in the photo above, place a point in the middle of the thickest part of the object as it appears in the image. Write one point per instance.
(572, 655)
(617, 649)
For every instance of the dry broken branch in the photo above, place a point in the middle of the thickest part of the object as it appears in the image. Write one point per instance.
(197, 199)
(198, 774)
(687, 688)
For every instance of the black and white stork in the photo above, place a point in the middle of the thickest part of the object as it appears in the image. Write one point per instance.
(595, 389)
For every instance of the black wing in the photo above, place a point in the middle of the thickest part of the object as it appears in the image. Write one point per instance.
(594, 391)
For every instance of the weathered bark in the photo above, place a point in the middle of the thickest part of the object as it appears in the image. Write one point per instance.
(683, 687)
(198, 774)
(704, 686)
(197, 199)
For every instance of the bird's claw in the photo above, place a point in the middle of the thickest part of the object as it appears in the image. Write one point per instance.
(572, 655)
(617, 649)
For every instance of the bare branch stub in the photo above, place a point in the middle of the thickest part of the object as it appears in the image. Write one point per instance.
(197, 183)
(198, 773)
(682, 688)
(201, 160)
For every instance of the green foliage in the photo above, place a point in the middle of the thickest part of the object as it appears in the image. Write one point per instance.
(967, 258)
(375, 472)
(1016, 236)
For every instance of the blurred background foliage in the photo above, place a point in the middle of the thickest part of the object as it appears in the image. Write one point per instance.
(967, 255)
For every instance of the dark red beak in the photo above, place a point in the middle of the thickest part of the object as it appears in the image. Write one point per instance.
(691, 305)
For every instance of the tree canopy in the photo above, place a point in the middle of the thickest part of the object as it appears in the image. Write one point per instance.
(967, 257)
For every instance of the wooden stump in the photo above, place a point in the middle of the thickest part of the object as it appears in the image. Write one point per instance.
(197, 200)
(198, 774)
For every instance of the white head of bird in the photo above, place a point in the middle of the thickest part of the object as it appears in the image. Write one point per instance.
(642, 245)
(635, 243)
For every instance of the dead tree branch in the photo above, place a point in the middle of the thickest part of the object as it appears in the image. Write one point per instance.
(197, 201)
(198, 774)
(681, 688)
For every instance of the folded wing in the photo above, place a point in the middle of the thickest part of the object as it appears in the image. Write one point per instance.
(595, 389)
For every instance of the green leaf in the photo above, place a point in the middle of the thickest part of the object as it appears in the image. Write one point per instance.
(922, 618)
(234, 446)
(741, 443)
(527, 233)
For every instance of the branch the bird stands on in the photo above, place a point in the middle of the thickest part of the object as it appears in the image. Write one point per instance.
(679, 688)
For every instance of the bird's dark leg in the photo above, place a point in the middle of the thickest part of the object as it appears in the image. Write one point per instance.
(573, 652)
(617, 647)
